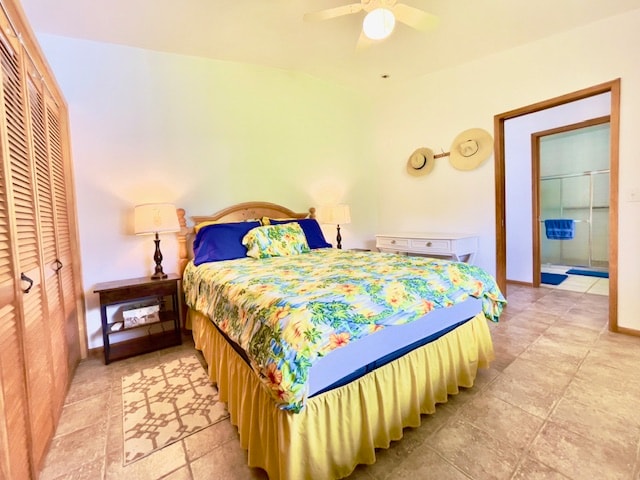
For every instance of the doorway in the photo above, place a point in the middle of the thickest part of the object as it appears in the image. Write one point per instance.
(570, 196)
(613, 88)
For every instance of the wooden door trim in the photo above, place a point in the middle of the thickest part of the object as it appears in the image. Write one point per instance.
(500, 209)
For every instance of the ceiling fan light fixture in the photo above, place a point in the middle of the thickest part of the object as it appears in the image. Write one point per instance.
(378, 23)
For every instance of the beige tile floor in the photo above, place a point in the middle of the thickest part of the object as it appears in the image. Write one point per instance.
(561, 401)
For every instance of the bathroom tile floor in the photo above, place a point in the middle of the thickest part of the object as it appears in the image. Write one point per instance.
(560, 401)
(577, 283)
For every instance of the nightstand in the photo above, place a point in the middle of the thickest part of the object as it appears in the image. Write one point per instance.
(145, 316)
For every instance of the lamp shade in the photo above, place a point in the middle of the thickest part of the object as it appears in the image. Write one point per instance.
(336, 215)
(155, 218)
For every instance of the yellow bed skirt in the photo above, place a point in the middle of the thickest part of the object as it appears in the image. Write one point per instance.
(340, 429)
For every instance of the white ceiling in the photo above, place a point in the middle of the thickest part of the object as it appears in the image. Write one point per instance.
(273, 32)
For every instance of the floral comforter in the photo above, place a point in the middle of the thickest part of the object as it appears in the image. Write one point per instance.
(287, 312)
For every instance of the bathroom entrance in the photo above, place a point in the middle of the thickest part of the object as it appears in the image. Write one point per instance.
(571, 201)
(515, 241)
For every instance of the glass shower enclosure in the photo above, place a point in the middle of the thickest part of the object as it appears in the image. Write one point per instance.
(574, 185)
(584, 198)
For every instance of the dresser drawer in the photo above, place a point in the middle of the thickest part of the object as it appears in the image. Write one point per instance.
(430, 245)
(391, 243)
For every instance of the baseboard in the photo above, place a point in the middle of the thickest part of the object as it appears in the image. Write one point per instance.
(627, 331)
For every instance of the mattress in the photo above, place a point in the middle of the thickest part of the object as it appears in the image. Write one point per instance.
(356, 359)
(359, 358)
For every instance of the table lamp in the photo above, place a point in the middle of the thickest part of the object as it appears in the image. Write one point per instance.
(155, 218)
(337, 215)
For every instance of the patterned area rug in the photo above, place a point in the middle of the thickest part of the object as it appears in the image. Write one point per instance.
(164, 404)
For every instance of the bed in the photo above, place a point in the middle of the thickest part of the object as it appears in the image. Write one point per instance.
(380, 355)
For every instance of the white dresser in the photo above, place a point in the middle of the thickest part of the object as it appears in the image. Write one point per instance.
(460, 247)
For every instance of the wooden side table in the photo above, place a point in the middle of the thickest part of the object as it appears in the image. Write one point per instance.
(158, 330)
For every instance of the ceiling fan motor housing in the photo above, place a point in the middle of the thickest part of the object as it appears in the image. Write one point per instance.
(369, 5)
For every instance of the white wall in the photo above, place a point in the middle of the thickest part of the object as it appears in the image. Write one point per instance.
(432, 110)
(203, 134)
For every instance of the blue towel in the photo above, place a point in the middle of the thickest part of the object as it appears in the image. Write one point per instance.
(559, 228)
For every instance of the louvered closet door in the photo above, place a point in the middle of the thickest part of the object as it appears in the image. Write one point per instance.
(63, 229)
(47, 232)
(14, 412)
(14, 447)
(36, 332)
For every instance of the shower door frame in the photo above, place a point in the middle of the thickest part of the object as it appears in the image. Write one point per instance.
(536, 221)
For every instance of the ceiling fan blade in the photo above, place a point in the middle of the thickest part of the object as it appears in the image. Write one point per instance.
(418, 19)
(333, 12)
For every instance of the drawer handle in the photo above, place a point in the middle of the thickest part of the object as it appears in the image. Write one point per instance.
(428, 244)
(393, 242)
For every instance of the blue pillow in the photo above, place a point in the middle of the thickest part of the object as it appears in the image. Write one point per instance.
(311, 229)
(221, 241)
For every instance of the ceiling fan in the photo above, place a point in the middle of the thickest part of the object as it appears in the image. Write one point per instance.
(381, 16)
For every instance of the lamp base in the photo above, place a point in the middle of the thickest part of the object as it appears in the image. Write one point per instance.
(339, 237)
(159, 274)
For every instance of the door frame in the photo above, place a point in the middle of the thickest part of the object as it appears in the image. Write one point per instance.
(613, 87)
(535, 183)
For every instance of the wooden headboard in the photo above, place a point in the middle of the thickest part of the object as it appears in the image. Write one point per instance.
(236, 213)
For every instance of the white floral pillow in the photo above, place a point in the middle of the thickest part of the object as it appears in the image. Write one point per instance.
(276, 241)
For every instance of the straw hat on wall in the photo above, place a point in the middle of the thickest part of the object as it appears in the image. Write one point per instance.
(470, 149)
(420, 162)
